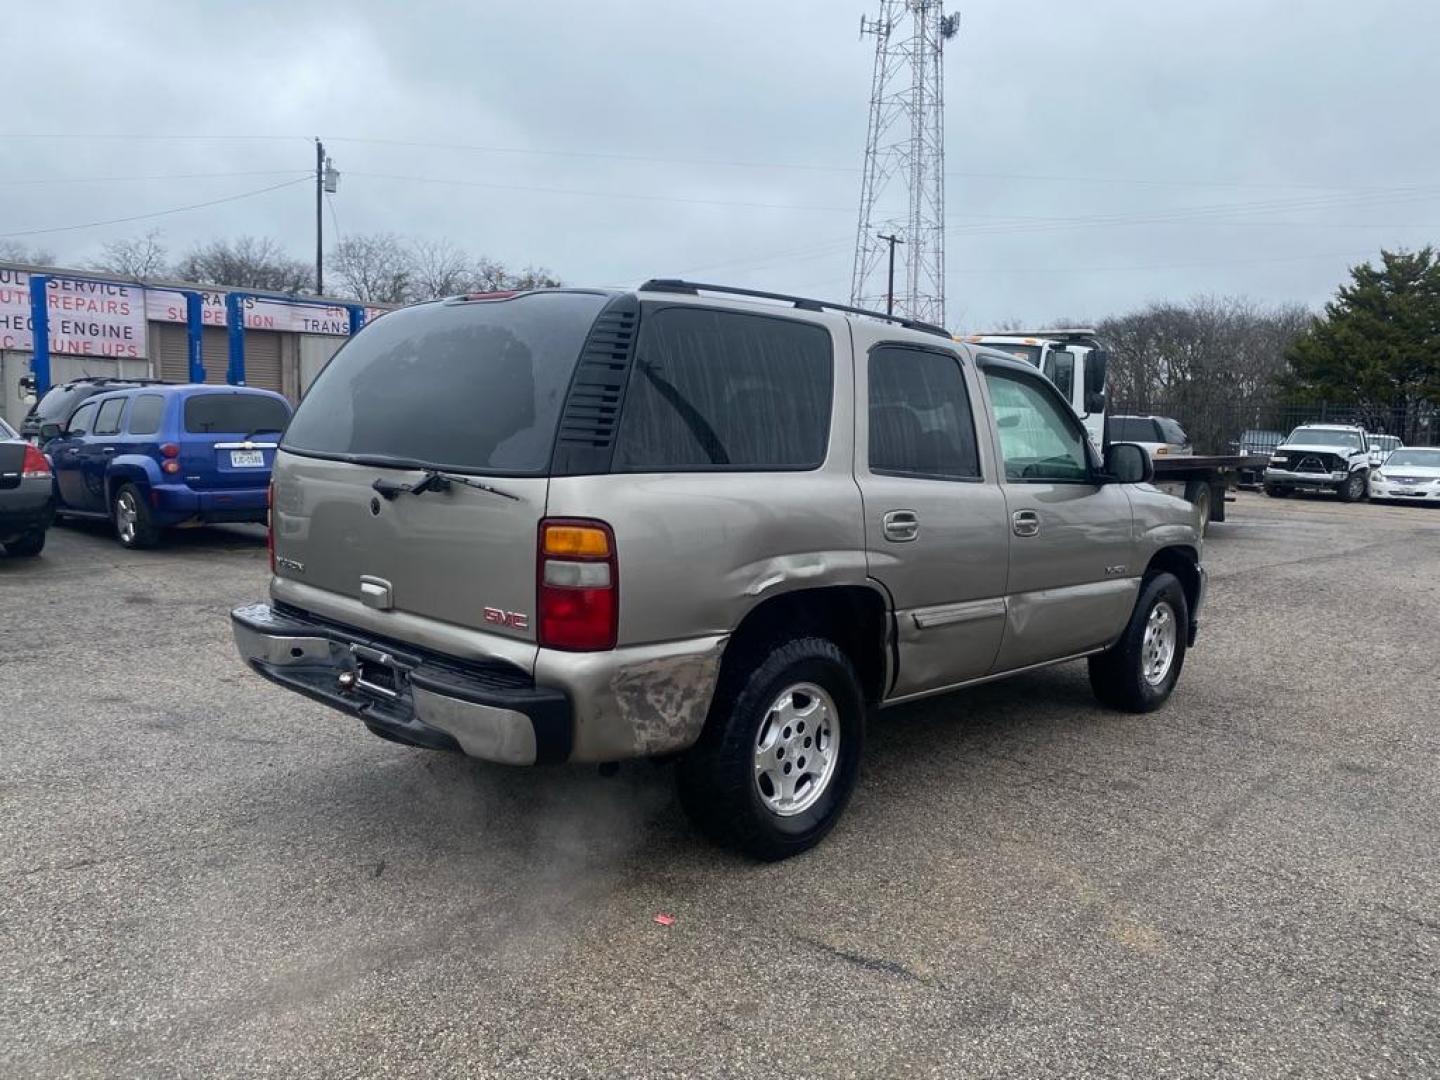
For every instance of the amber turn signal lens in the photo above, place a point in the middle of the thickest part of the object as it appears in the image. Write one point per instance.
(580, 540)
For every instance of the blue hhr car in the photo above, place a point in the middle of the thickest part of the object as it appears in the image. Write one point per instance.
(150, 457)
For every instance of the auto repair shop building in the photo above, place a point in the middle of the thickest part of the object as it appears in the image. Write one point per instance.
(97, 324)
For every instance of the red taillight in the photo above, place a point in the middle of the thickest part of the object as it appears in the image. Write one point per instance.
(169, 450)
(270, 524)
(577, 585)
(171, 467)
(34, 467)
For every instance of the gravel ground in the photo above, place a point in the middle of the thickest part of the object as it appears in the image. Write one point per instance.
(201, 874)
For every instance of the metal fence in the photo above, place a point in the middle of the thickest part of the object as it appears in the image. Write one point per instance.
(1221, 427)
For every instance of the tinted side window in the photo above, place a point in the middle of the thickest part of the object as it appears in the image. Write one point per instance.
(145, 414)
(235, 414)
(1037, 440)
(1134, 429)
(108, 422)
(83, 419)
(721, 389)
(920, 418)
(1173, 432)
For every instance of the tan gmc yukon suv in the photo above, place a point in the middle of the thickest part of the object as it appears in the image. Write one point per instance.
(700, 523)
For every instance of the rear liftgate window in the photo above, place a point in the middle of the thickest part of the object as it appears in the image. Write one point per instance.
(723, 390)
(474, 386)
(235, 414)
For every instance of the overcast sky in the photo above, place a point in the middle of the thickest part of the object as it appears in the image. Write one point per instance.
(514, 129)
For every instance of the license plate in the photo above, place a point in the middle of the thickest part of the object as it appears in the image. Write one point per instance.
(247, 459)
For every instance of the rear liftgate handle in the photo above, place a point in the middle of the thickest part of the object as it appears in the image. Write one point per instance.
(1025, 522)
(901, 526)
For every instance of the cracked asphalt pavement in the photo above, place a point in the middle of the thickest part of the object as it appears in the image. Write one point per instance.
(201, 874)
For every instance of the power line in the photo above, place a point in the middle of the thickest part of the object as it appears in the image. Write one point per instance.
(156, 213)
(643, 196)
(670, 160)
(47, 181)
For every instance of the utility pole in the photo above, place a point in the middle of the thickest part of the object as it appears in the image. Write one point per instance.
(319, 218)
(902, 191)
(892, 240)
(327, 179)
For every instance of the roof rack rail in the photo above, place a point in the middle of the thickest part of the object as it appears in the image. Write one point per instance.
(804, 303)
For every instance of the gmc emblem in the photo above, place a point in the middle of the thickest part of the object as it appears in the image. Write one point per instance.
(515, 620)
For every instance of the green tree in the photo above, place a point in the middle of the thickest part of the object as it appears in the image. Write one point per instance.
(1377, 346)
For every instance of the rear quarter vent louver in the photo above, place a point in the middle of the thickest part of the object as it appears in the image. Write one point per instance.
(586, 438)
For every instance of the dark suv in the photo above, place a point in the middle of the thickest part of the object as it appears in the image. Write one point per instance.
(62, 399)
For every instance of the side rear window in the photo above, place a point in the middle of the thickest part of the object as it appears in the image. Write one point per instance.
(714, 389)
(83, 419)
(145, 414)
(108, 422)
(920, 418)
(235, 414)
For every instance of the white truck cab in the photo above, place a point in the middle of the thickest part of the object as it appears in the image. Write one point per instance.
(1071, 358)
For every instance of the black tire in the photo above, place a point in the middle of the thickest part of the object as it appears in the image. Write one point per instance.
(1275, 491)
(1117, 676)
(28, 546)
(1354, 488)
(129, 499)
(716, 778)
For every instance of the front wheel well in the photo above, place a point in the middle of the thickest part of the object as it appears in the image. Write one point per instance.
(1184, 563)
(854, 617)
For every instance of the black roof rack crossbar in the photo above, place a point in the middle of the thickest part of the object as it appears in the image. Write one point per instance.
(804, 303)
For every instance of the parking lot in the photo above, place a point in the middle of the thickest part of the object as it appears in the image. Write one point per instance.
(203, 874)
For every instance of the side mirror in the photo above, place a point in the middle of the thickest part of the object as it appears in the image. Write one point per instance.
(1097, 363)
(50, 431)
(1128, 463)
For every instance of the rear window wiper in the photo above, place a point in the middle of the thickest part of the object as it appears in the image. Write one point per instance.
(261, 431)
(435, 480)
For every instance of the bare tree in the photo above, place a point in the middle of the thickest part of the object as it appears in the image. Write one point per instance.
(375, 268)
(1213, 363)
(491, 276)
(14, 251)
(139, 257)
(439, 268)
(248, 263)
(383, 268)
(534, 277)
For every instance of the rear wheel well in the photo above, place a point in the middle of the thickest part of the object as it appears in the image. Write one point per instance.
(1184, 563)
(115, 481)
(852, 616)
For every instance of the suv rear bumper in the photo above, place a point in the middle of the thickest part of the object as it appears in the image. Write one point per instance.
(174, 503)
(488, 710)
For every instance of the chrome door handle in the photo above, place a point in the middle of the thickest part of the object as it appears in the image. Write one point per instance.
(1025, 522)
(108, 450)
(901, 526)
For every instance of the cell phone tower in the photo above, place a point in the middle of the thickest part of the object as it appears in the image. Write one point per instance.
(902, 193)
